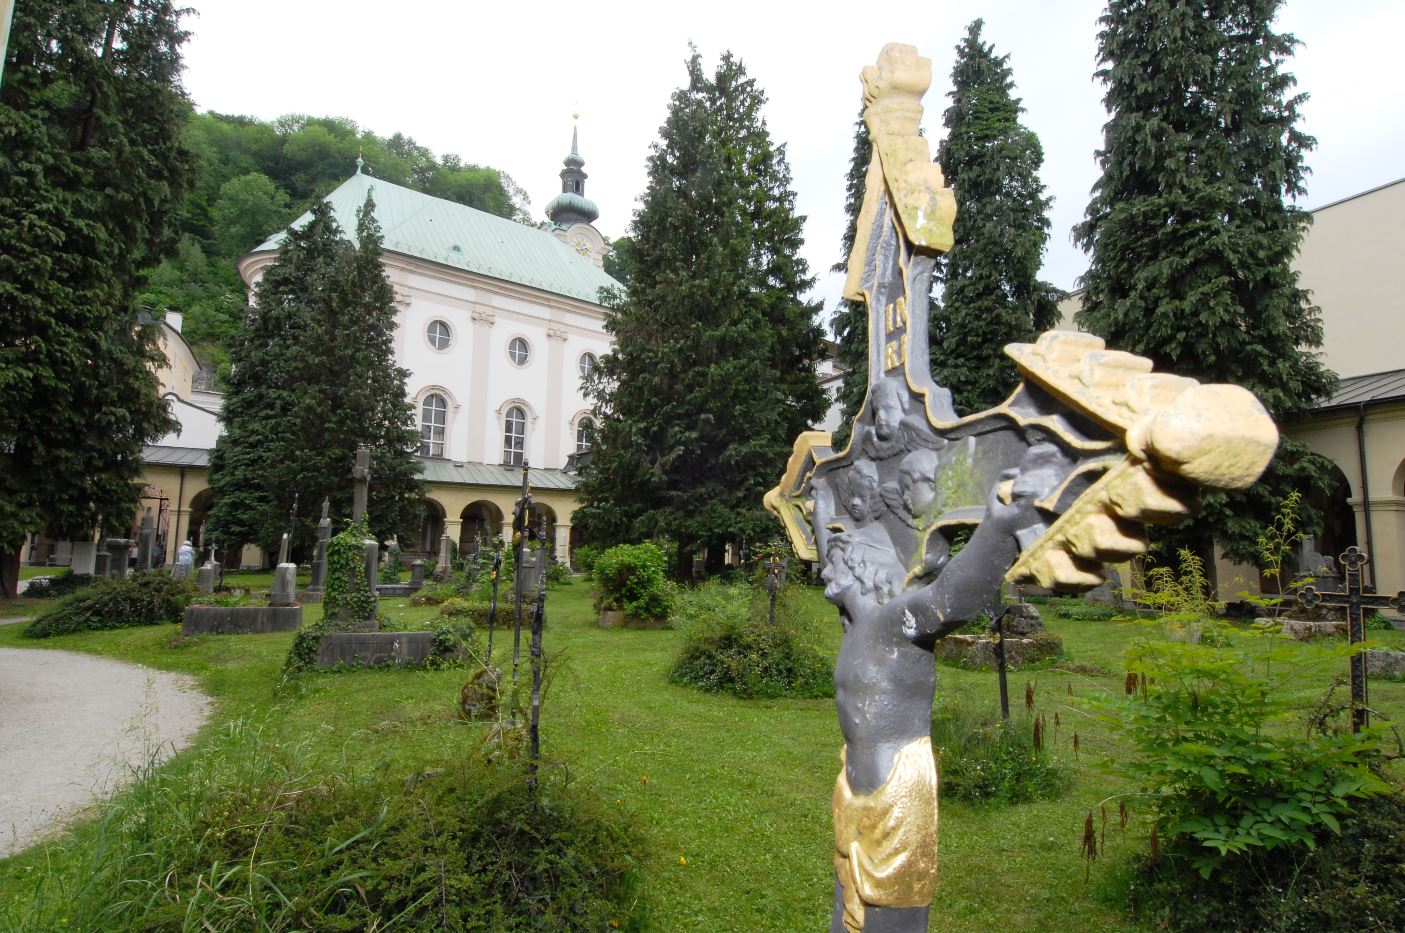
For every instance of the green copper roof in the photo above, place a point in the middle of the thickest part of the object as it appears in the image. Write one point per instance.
(446, 232)
(436, 470)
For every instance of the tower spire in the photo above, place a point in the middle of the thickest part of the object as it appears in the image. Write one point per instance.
(571, 206)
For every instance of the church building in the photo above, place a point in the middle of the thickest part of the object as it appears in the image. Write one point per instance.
(498, 324)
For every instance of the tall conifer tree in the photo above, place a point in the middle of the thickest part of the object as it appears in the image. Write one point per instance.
(313, 378)
(991, 292)
(1190, 235)
(712, 373)
(92, 171)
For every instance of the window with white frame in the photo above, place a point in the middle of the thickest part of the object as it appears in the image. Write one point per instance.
(438, 335)
(588, 363)
(585, 434)
(514, 436)
(519, 351)
(434, 415)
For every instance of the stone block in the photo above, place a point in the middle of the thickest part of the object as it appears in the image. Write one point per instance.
(240, 620)
(372, 649)
(416, 573)
(1307, 631)
(284, 585)
(84, 557)
(1022, 620)
(1389, 664)
(395, 589)
(977, 651)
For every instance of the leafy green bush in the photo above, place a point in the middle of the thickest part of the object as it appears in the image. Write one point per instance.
(61, 585)
(1351, 881)
(1224, 785)
(244, 835)
(630, 577)
(433, 594)
(391, 571)
(730, 647)
(348, 594)
(585, 557)
(146, 597)
(982, 757)
(1375, 622)
(1184, 594)
(558, 574)
(1077, 609)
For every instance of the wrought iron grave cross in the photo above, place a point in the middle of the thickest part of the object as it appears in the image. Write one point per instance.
(921, 518)
(1356, 603)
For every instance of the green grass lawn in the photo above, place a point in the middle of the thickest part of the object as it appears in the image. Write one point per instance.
(732, 796)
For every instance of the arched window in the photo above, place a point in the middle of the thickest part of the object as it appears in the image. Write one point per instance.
(587, 364)
(519, 351)
(514, 436)
(585, 434)
(434, 414)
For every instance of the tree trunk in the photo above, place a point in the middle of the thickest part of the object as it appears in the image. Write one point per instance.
(10, 572)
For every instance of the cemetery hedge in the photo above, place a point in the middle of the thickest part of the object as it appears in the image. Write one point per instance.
(729, 798)
(147, 597)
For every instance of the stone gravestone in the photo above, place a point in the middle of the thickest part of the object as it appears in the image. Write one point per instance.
(282, 550)
(361, 474)
(146, 542)
(206, 576)
(85, 555)
(319, 560)
(417, 573)
(444, 569)
(1048, 487)
(373, 559)
(284, 590)
(119, 555)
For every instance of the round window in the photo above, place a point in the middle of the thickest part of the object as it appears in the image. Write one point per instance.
(438, 334)
(519, 351)
(588, 363)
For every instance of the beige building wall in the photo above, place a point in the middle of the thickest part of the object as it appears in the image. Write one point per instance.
(178, 373)
(1350, 261)
(1334, 435)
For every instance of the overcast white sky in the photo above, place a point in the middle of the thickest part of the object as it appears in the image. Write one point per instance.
(497, 83)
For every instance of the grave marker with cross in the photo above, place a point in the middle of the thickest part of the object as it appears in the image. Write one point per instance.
(1355, 602)
(361, 475)
(921, 518)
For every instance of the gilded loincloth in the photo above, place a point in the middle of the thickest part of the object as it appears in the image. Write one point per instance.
(885, 843)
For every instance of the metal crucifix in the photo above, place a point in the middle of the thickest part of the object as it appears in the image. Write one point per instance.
(919, 521)
(1355, 602)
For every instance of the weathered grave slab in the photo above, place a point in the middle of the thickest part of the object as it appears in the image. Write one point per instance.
(1308, 631)
(240, 620)
(978, 651)
(372, 649)
(1386, 664)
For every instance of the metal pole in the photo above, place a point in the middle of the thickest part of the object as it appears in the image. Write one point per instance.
(493, 604)
(997, 640)
(519, 544)
(538, 618)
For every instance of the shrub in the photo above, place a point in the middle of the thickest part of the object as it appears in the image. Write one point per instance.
(1351, 881)
(585, 556)
(390, 572)
(244, 835)
(730, 647)
(630, 578)
(146, 597)
(984, 758)
(348, 594)
(433, 594)
(1077, 609)
(1224, 786)
(61, 585)
(558, 574)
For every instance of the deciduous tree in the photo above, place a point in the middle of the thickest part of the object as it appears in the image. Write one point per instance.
(712, 373)
(1189, 229)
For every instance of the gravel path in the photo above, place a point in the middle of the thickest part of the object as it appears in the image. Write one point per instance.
(72, 727)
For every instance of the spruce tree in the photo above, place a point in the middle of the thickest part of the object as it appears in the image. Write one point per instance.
(991, 294)
(712, 373)
(313, 378)
(1190, 235)
(92, 171)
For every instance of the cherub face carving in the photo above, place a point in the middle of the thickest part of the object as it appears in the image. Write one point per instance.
(862, 499)
(917, 476)
(889, 407)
